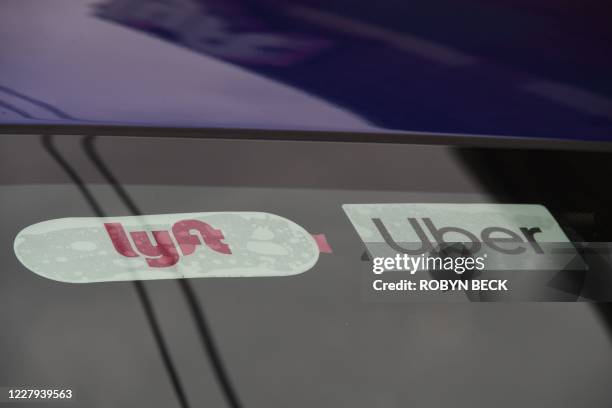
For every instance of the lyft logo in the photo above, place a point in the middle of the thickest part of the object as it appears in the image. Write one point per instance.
(221, 244)
(168, 246)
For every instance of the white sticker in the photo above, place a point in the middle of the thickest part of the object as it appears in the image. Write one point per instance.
(167, 246)
(509, 236)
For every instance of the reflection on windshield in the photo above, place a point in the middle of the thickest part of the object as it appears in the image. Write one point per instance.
(539, 71)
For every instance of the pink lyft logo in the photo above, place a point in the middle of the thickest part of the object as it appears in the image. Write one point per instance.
(164, 252)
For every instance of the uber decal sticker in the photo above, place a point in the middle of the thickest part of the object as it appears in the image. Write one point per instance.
(509, 236)
(216, 244)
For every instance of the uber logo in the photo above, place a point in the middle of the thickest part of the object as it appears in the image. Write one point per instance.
(511, 236)
(494, 237)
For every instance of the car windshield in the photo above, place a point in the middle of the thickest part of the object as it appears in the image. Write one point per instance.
(312, 337)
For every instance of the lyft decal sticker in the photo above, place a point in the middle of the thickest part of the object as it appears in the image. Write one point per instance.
(221, 244)
(509, 236)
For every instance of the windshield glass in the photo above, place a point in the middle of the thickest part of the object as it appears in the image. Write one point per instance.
(315, 336)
